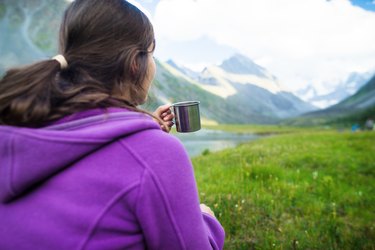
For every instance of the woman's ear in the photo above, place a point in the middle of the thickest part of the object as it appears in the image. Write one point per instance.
(134, 68)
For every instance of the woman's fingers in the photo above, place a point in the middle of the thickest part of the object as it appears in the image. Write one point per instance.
(162, 109)
(168, 112)
(206, 209)
(165, 128)
(165, 114)
(167, 117)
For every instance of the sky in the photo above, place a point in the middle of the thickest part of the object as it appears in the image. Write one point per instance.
(301, 42)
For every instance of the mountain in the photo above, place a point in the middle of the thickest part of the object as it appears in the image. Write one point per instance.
(241, 65)
(28, 30)
(341, 91)
(355, 109)
(169, 87)
(247, 87)
(363, 99)
(186, 71)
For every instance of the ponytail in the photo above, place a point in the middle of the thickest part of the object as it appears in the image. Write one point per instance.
(35, 95)
(25, 93)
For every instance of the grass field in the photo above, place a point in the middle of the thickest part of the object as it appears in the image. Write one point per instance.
(303, 189)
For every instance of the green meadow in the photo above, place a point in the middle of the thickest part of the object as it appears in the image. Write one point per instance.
(294, 189)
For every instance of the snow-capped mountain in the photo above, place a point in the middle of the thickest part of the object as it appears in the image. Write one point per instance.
(355, 109)
(186, 71)
(342, 90)
(238, 69)
(246, 88)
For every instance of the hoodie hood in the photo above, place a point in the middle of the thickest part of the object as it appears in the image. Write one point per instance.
(29, 156)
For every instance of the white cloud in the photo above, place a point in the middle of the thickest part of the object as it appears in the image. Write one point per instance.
(315, 42)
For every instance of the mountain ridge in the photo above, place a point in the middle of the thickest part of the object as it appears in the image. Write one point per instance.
(354, 109)
(258, 96)
(342, 90)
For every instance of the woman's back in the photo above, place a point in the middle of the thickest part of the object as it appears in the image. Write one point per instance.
(100, 182)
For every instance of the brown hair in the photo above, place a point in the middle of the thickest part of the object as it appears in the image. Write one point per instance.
(105, 43)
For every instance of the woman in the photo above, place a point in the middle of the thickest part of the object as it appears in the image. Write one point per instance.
(81, 166)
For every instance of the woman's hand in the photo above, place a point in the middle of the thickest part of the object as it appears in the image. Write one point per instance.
(165, 114)
(207, 210)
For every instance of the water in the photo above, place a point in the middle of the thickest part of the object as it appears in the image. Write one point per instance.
(213, 140)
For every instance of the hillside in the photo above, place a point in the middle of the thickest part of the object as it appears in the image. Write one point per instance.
(364, 98)
(28, 30)
(342, 90)
(355, 109)
(247, 88)
(169, 88)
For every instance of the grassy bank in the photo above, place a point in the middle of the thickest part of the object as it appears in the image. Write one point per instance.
(304, 190)
(261, 129)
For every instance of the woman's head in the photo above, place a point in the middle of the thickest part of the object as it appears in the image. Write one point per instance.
(110, 39)
(108, 45)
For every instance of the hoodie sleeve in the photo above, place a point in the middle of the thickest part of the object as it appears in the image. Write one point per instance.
(168, 205)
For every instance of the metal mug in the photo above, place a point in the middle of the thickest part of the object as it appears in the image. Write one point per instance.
(187, 117)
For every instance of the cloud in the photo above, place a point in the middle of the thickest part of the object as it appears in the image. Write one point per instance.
(315, 42)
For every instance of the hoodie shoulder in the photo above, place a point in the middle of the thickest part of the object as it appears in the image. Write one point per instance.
(21, 149)
(157, 146)
(162, 155)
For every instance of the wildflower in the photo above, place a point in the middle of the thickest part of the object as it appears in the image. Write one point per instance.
(334, 213)
(315, 175)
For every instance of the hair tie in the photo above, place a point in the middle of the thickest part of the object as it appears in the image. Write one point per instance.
(61, 59)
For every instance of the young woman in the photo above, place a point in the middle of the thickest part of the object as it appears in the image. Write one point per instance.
(81, 167)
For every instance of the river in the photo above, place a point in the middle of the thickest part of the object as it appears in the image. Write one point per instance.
(212, 140)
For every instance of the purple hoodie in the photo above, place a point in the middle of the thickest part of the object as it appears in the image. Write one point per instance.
(100, 180)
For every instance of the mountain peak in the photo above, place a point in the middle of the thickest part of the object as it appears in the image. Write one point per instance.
(186, 71)
(240, 64)
(172, 63)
